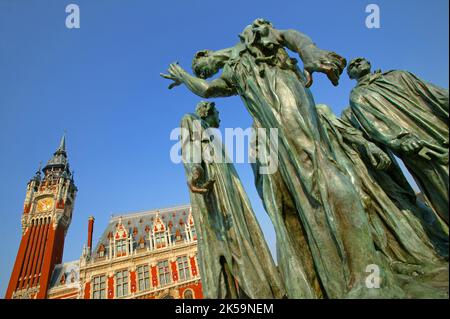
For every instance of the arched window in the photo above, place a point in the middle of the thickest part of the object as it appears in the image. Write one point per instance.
(188, 294)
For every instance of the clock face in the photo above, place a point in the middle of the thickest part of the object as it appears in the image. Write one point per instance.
(45, 204)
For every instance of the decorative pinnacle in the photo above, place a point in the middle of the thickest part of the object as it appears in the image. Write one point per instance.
(37, 175)
(62, 144)
(38, 172)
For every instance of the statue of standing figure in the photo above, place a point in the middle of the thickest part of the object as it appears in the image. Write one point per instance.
(409, 235)
(410, 117)
(234, 259)
(330, 212)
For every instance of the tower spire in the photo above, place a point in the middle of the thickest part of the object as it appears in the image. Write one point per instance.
(46, 217)
(62, 144)
(59, 159)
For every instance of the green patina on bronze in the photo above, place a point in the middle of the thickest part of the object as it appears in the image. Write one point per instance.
(410, 117)
(330, 219)
(403, 229)
(234, 259)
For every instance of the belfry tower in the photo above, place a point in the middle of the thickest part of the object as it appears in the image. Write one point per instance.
(46, 218)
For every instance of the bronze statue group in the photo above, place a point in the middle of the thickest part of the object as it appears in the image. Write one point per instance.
(347, 222)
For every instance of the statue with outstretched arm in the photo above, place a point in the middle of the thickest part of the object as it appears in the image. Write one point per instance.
(275, 93)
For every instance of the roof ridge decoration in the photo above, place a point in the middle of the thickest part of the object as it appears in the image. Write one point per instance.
(121, 232)
(148, 212)
(158, 224)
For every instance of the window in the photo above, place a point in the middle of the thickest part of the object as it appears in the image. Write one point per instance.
(99, 287)
(178, 236)
(101, 251)
(164, 272)
(188, 294)
(121, 283)
(193, 233)
(183, 268)
(143, 277)
(160, 239)
(121, 247)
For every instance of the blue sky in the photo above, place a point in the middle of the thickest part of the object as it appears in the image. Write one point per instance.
(101, 83)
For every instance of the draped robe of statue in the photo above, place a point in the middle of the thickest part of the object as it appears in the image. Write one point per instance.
(398, 229)
(391, 104)
(331, 213)
(395, 185)
(231, 246)
(294, 258)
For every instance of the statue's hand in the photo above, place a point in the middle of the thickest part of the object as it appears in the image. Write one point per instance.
(203, 189)
(175, 74)
(197, 173)
(378, 158)
(326, 62)
(407, 143)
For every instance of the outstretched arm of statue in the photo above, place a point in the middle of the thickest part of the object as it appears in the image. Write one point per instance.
(200, 87)
(314, 59)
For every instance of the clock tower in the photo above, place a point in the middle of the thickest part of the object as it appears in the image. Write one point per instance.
(46, 217)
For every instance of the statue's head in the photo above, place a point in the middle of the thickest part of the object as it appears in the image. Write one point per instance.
(207, 111)
(261, 26)
(206, 64)
(357, 68)
(258, 29)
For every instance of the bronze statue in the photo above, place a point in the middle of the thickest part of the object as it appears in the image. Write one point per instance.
(400, 227)
(274, 90)
(410, 117)
(234, 259)
(294, 258)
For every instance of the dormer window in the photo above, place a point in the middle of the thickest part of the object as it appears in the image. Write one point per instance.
(62, 281)
(141, 243)
(72, 276)
(178, 236)
(160, 239)
(101, 251)
(121, 247)
(194, 233)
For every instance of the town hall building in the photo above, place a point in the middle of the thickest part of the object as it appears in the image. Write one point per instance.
(146, 255)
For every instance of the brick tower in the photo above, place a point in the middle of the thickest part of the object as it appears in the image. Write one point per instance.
(46, 218)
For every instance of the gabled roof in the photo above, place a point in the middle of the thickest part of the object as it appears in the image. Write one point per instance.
(139, 224)
(66, 275)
